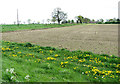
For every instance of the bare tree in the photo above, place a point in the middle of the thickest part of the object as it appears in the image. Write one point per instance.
(59, 15)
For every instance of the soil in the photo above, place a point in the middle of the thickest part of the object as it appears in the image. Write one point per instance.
(101, 39)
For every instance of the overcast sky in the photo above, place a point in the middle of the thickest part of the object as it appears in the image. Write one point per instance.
(37, 10)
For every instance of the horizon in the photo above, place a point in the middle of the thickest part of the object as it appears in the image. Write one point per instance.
(37, 10)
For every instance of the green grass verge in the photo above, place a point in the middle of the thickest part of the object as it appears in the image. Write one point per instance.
(23, 62)
(6, 28)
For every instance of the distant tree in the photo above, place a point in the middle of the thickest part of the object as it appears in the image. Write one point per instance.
(77, 21)
(72, 21)
(101, 20)
(110, 20)
(69, 21)
(29, 21)
(114, 19)
(80, 18)
(48, 20)
(38, 22)
(53, 19)
(86, 20)
(118, 19)
(59, 15)
(33, 22)
(64, 21)
(93, 20)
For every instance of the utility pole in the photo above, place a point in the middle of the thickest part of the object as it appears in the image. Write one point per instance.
(17, 18)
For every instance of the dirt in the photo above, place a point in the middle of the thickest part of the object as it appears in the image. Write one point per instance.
(101, 39)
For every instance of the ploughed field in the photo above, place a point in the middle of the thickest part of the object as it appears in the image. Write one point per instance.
(100, 39)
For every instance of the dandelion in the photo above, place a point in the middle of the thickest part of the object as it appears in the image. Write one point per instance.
(61, 63)
(56, 55)
(19, 52)
(86, 72)
(14, 55)
(66, 62)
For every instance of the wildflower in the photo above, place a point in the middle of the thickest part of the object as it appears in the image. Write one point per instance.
(12, 77)
(56, 55)
(82, 72)
(66, 62)
(19, 52)
(50, 51)
(61, 63)
(27, 77)
(11, 70)
(14, 55)
(86, 72)
(7, 70)
(75, 68)
(102, 76)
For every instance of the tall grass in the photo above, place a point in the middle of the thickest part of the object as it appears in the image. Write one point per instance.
(25, 62)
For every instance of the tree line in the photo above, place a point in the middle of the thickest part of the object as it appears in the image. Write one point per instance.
(61, 18)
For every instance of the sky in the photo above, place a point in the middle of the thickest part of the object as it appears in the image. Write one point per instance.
(41, 10)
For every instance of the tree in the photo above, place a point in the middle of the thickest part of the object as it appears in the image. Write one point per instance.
(101, 20)
(93, 20)
(59, 15)
(53, 19)
(29, 21)
(110, 20)
(48, 20)
(86, 20)
(80, 18)
(38, 22)
(118, 20)
(69, 21)
(114, 19)
(72, 21)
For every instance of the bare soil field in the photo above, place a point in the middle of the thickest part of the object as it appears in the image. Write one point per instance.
(101, 39)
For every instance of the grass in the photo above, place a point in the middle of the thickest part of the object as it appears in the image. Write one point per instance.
(6, 28)
(25, 62)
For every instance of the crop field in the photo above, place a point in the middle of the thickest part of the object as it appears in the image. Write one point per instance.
(32, 63)
(6, 28)
(79, 53)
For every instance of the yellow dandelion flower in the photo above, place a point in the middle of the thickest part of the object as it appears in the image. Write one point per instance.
(61, 63)
(56, 55)
(66, 62)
